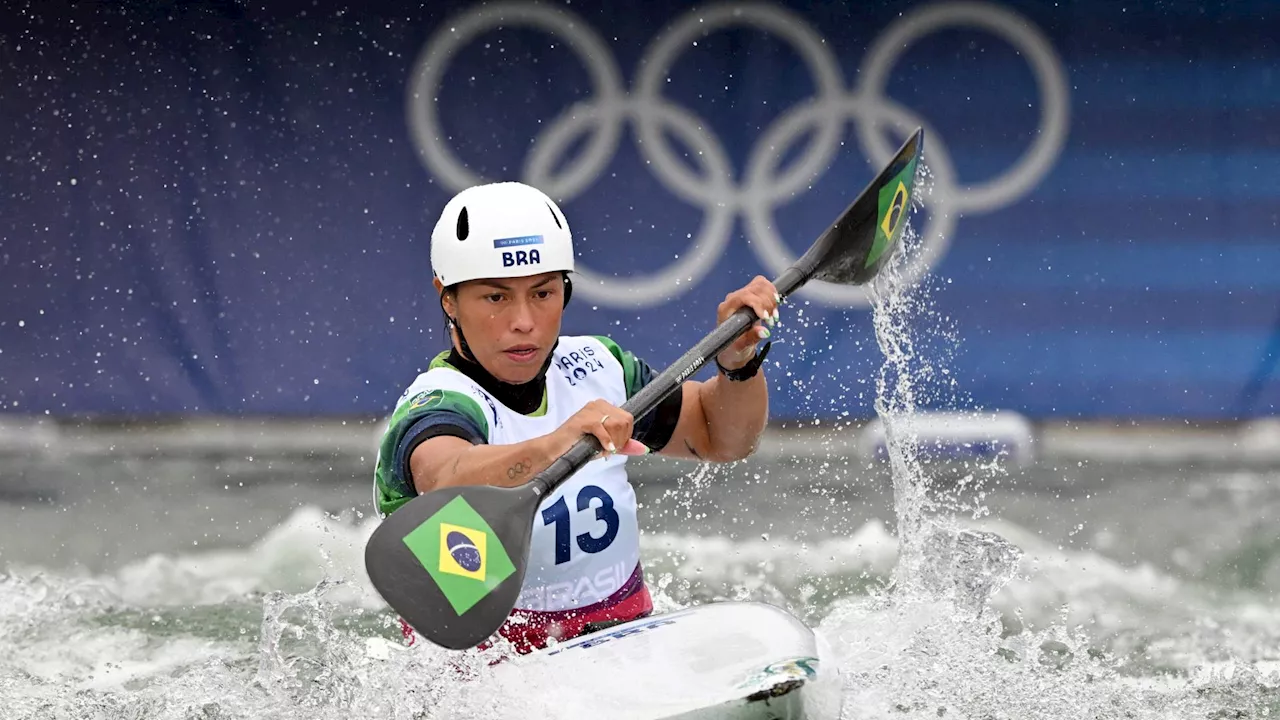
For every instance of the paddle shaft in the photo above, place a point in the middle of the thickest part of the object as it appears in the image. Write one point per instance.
(643, 402)
(851, 251)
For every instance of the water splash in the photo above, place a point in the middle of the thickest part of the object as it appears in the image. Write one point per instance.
(897, 307)
(70, 647)
(932, 644)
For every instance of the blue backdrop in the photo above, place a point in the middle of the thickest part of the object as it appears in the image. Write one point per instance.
(207, 207)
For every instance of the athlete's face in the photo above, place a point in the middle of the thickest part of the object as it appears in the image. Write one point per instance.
(511, 324)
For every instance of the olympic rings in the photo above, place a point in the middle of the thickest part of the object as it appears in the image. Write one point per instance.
(765, 186)
(453, 36)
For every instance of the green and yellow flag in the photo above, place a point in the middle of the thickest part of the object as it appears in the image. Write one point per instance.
(895, 205)
(462, 554)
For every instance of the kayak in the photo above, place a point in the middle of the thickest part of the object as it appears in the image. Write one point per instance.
(720, 661)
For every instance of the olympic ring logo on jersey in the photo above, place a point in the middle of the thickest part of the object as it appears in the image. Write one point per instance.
(712, 187)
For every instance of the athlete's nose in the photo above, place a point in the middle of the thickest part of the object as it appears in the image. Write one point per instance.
(522, 317)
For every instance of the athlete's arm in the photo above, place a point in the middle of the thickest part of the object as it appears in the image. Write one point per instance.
(721, 420)
(447, 461)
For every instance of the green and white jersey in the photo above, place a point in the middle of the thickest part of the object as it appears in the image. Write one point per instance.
(585, 542)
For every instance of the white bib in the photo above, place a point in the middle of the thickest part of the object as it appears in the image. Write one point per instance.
(586, 541)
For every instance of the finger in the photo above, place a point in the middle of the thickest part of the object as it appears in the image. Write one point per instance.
(619, 426)
(775, 314)
(749, 298)
(762, 305)
(744, 346)
(610, 425)
(759, 295)
(749, 339)
(765, 286)
(602, 435)
(732, 302)
(595, 416)
(634, 447)
(769, 299)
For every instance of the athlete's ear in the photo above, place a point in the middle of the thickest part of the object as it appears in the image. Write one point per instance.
(448, 299)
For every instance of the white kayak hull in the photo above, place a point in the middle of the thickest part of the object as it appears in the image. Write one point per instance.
(722, 661)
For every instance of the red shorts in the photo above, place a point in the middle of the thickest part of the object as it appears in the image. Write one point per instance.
(529, 630)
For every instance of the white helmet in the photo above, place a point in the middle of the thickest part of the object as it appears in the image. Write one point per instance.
(500, 230)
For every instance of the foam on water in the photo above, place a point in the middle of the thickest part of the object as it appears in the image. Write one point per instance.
(999, 622)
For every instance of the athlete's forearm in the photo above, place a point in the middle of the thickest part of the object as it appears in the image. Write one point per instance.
(500, 465)
(736, 414)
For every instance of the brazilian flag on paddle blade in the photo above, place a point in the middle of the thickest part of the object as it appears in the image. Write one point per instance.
(462, 554)
(894, 205)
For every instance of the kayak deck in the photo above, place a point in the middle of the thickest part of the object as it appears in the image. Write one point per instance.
(722, 661)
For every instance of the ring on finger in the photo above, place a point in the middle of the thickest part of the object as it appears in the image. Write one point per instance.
(606, 417)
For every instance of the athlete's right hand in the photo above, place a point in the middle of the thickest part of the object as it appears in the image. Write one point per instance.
(609, 424)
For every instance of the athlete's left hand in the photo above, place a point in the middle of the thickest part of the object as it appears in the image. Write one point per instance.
(763, 298)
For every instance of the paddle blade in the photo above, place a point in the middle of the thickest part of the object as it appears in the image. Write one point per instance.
(863, 238)
(452, 561)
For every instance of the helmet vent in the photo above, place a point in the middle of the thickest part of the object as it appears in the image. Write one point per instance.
(555, 217)
(464, 227)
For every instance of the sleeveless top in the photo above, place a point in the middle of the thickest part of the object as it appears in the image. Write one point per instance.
(585, 543)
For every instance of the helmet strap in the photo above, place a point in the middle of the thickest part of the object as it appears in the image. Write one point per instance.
(462, 342)
(452, 324)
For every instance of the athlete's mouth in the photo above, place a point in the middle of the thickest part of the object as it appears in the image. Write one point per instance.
(521, 353)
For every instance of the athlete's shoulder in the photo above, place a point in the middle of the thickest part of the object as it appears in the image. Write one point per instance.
(443, 390)
(439, 376)
(436, 400)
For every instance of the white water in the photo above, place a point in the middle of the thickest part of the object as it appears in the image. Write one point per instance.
(213, 635)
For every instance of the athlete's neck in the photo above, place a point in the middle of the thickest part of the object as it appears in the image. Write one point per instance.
(524, 398)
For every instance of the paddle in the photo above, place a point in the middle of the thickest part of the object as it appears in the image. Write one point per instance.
(452, 562)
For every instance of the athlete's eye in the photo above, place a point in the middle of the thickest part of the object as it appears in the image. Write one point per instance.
(544, 294)
(493, 298)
